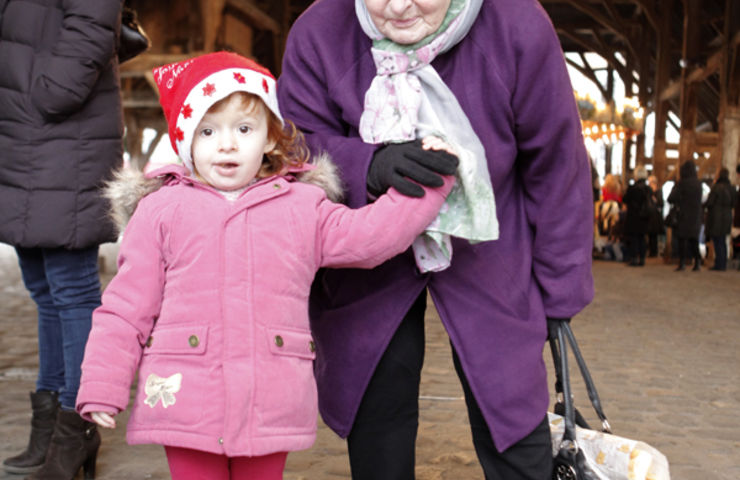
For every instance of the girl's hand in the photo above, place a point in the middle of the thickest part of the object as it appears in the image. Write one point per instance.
(103, 419)
(435, 143)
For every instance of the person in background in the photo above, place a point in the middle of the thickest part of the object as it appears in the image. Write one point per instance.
(209, 304)
(637, 201)
(719, 207)
(612, 189)
(61, 128)
(364, 80)
(686, 195)
(595, 184)
(656, 227)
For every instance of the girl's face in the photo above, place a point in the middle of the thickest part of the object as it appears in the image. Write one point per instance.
(228, 144)
(407, 21)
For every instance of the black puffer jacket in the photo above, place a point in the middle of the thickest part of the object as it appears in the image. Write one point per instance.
(636, 199)
(61, 121)
(719, 208)
(686, 194)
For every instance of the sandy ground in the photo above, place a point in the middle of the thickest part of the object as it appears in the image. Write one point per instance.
(662, 347)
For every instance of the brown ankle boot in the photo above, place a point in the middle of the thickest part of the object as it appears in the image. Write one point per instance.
(74, 444)
(44, 406)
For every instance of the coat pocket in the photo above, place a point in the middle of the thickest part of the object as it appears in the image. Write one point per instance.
(172, 378)
(286, 399)
(180, 340)
(291, 343)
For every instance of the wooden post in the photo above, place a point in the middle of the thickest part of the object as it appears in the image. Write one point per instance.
(212, 16)
(662, 77)
(729, 102)
(133, 141)
(691, 43)
(626, 157)
(642, 95)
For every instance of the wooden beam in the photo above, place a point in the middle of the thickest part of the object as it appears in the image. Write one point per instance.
(697, 74)
(140, 65)
(259, 18)
(609, 24)
(648, 8)
(593, 47)
(131, 103)
(212, 19)
(588, 74)
(614, 14)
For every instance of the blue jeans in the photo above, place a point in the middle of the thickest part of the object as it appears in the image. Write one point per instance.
(66, 288)
(720, 252)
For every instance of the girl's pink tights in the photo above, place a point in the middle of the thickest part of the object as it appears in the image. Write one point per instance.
(188, 464)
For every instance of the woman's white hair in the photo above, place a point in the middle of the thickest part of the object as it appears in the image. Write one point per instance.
(640, 173)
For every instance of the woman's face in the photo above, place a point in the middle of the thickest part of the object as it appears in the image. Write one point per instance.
(407, 21)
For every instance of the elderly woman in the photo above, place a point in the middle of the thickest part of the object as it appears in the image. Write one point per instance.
(364, 81)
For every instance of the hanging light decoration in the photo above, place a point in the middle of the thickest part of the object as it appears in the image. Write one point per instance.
(612, 122)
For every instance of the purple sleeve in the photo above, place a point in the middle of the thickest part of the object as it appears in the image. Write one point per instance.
(306, 98)
(555, 171)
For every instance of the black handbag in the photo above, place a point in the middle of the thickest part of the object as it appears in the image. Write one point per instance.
(134, 40)
(671, 220)
(569, 462)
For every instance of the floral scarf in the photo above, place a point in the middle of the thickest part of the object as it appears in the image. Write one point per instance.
(406, 100)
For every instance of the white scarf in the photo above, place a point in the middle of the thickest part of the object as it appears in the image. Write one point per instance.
(406, 100)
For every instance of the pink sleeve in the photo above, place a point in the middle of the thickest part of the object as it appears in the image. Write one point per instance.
(368, 236)
(121, 325)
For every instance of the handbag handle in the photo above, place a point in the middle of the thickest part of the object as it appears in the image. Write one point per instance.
(560, 335)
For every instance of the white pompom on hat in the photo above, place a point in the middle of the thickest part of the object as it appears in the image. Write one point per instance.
(187, 89)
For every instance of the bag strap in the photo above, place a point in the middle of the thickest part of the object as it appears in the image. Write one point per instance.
(560, 335)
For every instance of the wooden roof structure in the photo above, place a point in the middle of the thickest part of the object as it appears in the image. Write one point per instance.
(678, 56)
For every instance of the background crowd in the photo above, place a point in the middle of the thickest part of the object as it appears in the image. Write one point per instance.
(696, 223)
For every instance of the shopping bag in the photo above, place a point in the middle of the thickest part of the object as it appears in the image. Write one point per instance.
(580, 452)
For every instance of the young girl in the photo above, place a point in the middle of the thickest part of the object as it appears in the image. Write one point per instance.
(215, 267)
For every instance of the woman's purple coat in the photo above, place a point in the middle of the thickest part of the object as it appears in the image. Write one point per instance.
(510, 78)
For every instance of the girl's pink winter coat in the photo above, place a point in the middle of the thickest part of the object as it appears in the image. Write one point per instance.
(210, 306)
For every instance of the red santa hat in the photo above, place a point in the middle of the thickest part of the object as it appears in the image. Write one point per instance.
(189, 88)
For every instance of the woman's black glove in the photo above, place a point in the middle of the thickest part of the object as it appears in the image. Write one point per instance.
(396, 164)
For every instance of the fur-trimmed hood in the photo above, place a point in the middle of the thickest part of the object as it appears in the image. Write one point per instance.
(130, 185)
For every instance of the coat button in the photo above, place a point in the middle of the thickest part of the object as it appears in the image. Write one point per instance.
(279, 341)
(193, 341)
(149, 341)
(275, 186)
(312, 346)
(221, 441)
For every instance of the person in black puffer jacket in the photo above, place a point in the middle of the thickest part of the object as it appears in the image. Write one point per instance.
(637, 199)
(61, 127)
(719, 206)
(686, 195)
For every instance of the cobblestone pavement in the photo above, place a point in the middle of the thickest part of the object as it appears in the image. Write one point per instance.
(662, 347)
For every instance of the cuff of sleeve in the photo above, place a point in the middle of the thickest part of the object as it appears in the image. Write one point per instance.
(86, 409)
